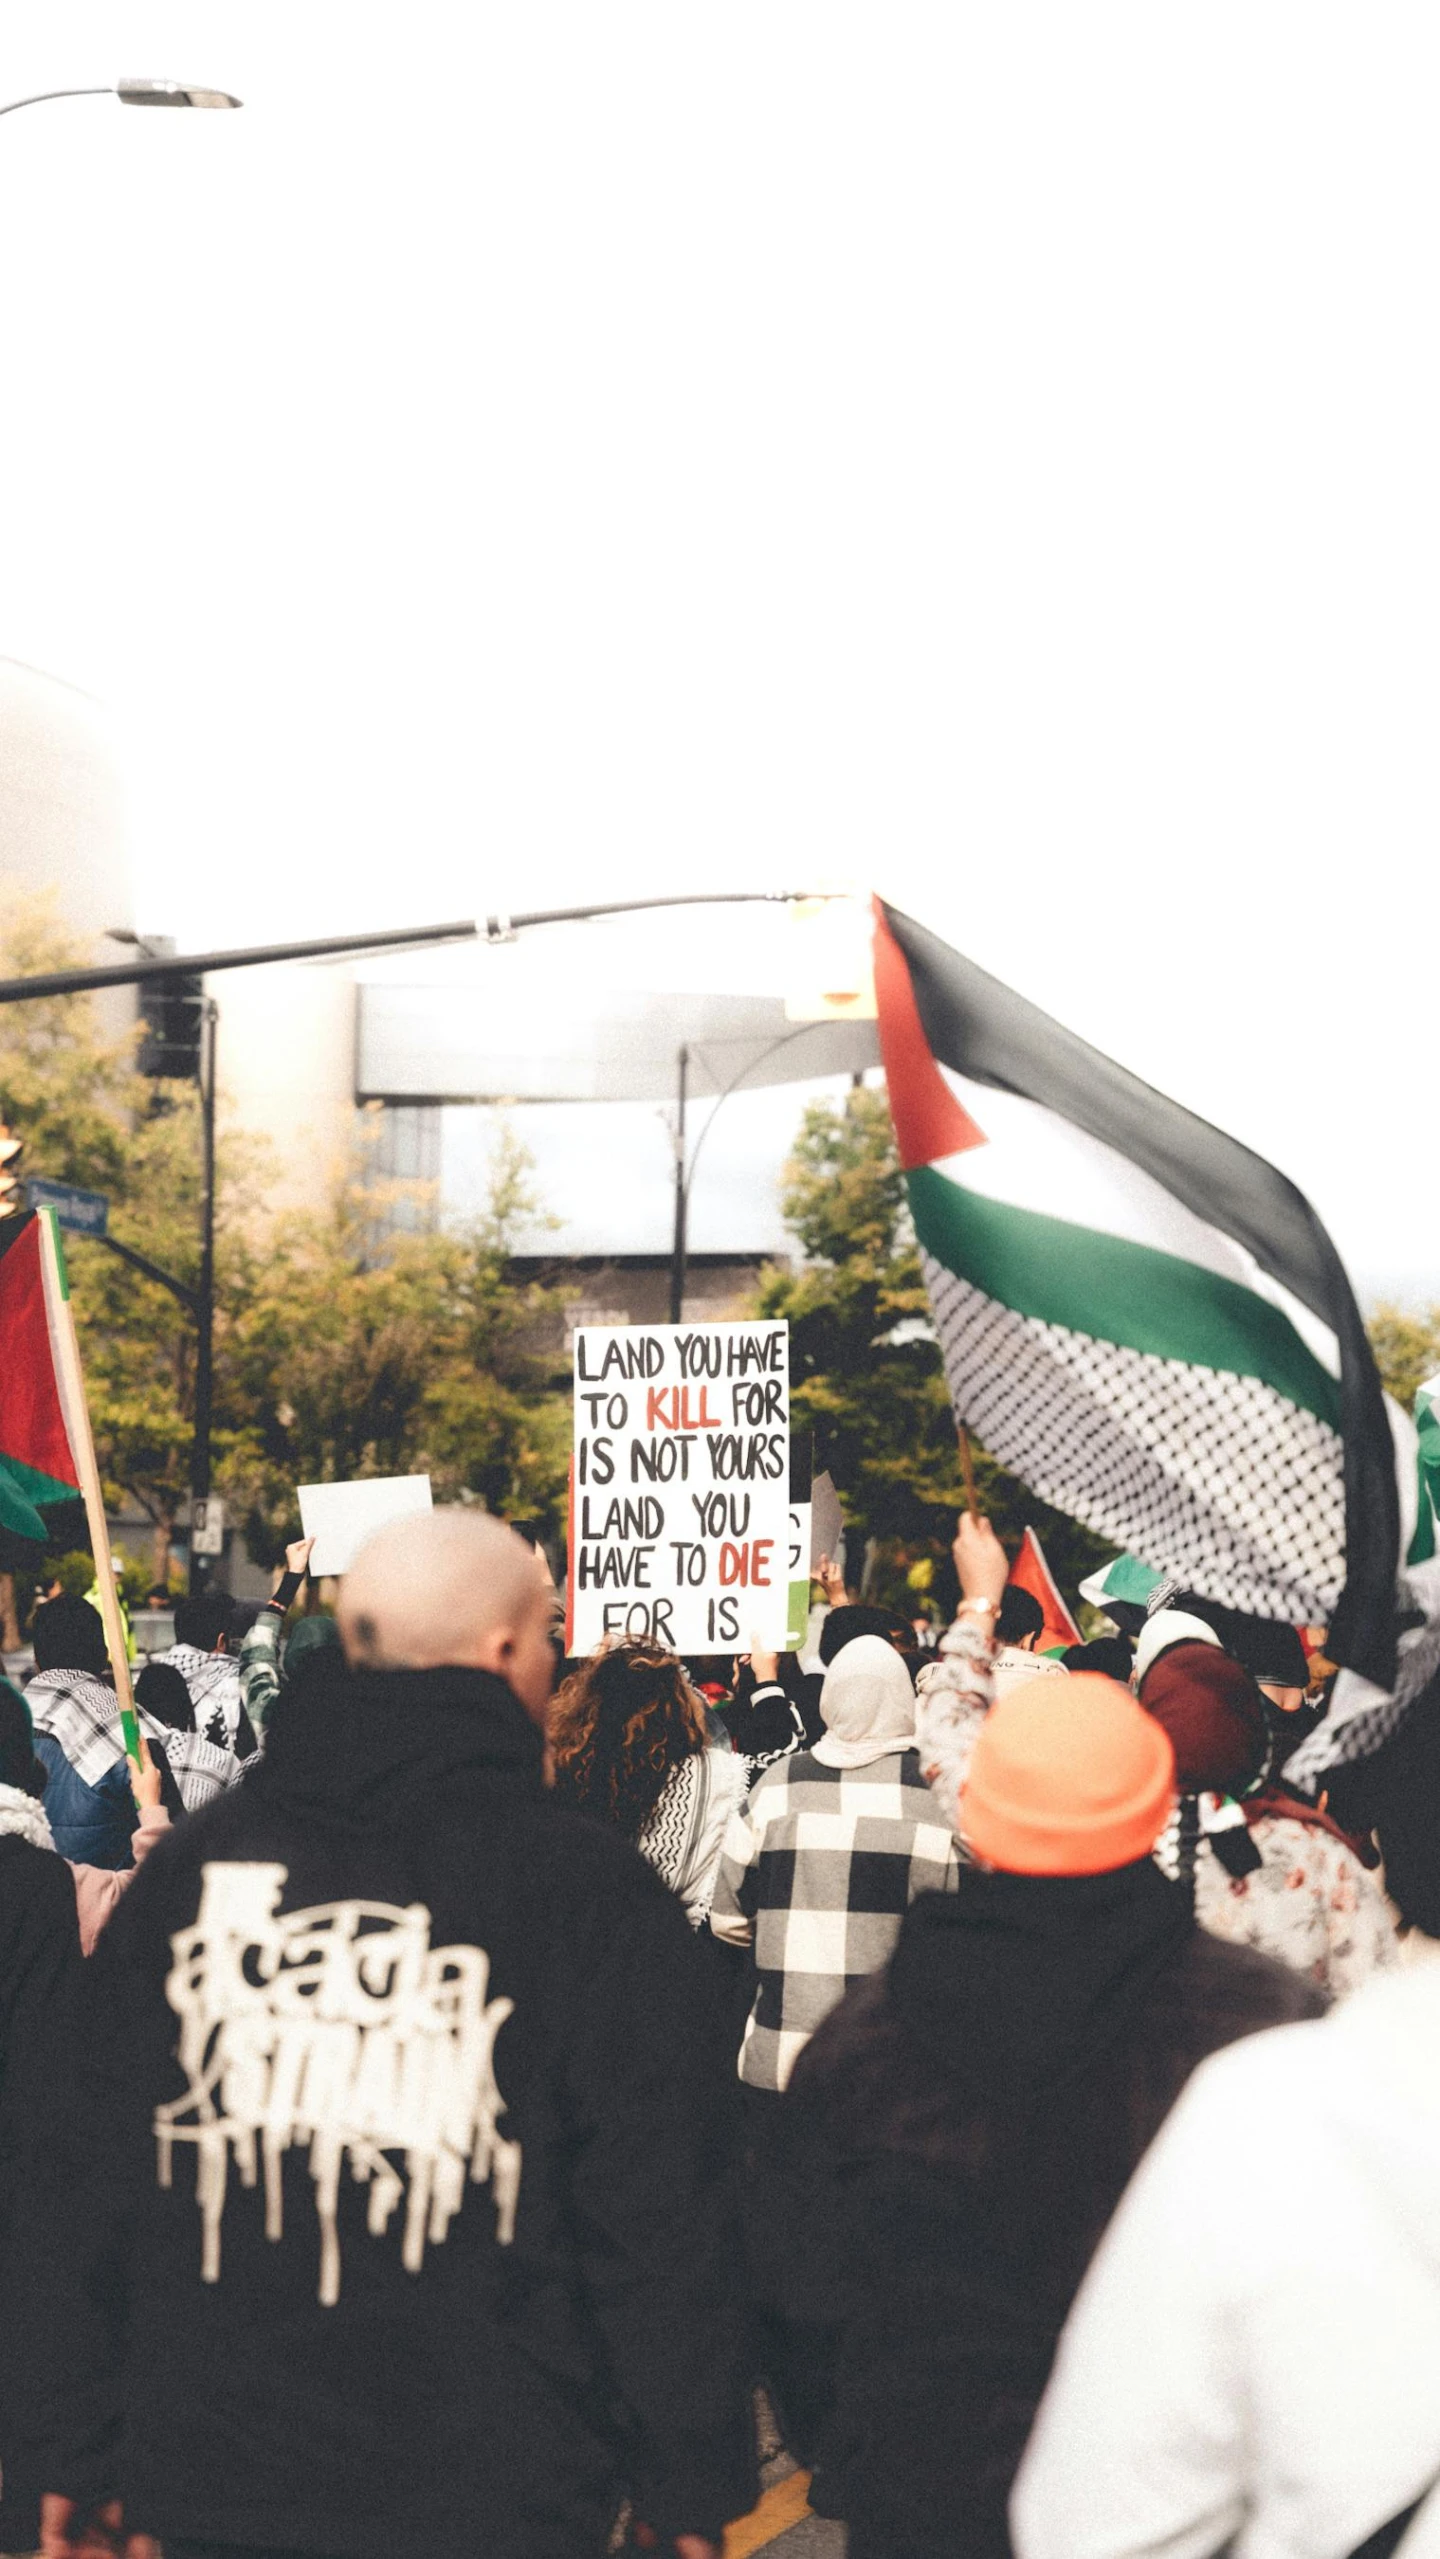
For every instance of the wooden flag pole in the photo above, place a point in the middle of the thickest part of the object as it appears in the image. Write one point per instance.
(70, 1379)
(967, 1469)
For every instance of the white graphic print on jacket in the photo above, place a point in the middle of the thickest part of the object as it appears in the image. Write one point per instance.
(343, 2028)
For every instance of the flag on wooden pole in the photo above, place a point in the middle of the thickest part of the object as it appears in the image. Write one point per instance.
(1031, 1572)
(47, 1453)
(1139, 1317)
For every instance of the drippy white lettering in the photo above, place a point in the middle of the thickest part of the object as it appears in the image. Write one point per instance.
(341, 2028)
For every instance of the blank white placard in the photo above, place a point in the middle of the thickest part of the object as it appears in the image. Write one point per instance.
(341, 1516)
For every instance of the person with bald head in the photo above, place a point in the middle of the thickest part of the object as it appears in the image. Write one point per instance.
(451, 1587)
(401, 2159)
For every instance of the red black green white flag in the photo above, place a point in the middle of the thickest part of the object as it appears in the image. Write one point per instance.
(1140, 1318)
(40, 1442)
(1030, 1572)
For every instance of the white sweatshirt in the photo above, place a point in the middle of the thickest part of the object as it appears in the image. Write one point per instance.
(1253, 2361)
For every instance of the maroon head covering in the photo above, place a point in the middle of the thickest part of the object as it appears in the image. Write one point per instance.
(1214, 1715)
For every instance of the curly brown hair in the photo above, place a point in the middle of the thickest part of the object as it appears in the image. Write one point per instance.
(618, 1725)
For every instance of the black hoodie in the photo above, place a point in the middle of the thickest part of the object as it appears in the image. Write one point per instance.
(443, 2063)
(964, 2124)
(40, 1980)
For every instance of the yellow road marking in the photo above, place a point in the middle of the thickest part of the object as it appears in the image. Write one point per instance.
(786, 2503)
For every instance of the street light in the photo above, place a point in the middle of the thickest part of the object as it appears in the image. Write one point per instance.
(134, 93)
(685, 1171)
(171, 93)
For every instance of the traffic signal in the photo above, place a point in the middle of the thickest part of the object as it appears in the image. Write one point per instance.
(173, 1010)
(12, 1196)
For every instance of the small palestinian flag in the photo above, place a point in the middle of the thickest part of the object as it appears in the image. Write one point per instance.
(1427, 1431)
(40, 1435)
(1031, 1572)
(1127, 1582)
(1142, 1320)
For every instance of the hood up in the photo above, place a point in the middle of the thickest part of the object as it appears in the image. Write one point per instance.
(361, 1746)
(1017, 1984)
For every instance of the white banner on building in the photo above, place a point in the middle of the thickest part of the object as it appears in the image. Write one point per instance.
(680, 1509)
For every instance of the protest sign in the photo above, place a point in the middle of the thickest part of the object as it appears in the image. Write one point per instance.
(798, 1577)
(680, 1509)
(341, 1516)
(827, 1523)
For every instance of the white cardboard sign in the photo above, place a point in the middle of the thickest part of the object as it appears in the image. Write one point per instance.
(680, 1515)
(341, 1516)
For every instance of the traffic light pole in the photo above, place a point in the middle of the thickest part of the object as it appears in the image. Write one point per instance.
(158, 966)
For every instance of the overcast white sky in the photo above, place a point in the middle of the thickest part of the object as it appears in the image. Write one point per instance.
(986, 451)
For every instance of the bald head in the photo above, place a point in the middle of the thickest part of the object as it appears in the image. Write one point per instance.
(450, 1587)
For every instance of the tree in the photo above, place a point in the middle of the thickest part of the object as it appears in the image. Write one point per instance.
(364, 1347)
(1406, 1348)
(865, 1368)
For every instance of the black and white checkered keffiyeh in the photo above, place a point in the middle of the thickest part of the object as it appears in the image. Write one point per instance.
(213, 1680)
(201, 1770)
(1362, 1718)
(820, 1867)
(1220, 1480)
(82, 1716)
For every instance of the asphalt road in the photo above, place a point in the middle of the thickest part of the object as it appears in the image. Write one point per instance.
(782, 2521)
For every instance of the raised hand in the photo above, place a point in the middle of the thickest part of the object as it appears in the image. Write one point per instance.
(979, 1560)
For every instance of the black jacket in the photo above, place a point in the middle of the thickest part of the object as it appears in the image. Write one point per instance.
(964, 2135)
(40, 1973)
(419, 2305)
(769, 1719)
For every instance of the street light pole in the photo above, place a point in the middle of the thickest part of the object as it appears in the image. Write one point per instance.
(205, 1293)
(685, 1173)
(679, 1251)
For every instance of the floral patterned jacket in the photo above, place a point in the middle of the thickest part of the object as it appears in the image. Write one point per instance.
(1309, 1902)
(954, 1696)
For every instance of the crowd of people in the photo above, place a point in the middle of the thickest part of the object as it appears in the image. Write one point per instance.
(441, 2085)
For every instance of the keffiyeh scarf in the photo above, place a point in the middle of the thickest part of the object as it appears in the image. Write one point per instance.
(82, 1716)
(1363, 1719)
(669, 1838)
(213, 1680)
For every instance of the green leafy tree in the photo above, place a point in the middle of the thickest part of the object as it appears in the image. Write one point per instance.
(366, 1347)
(1406, 1348)
(865, 1368)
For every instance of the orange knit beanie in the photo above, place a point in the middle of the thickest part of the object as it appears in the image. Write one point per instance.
(1068, 1777)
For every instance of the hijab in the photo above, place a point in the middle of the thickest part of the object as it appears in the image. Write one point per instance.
(162, 1691)
(1214, 1715)
(867, 1706)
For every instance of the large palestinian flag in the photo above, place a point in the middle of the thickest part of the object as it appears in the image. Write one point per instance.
(39, 1433)
(1145, 1322)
